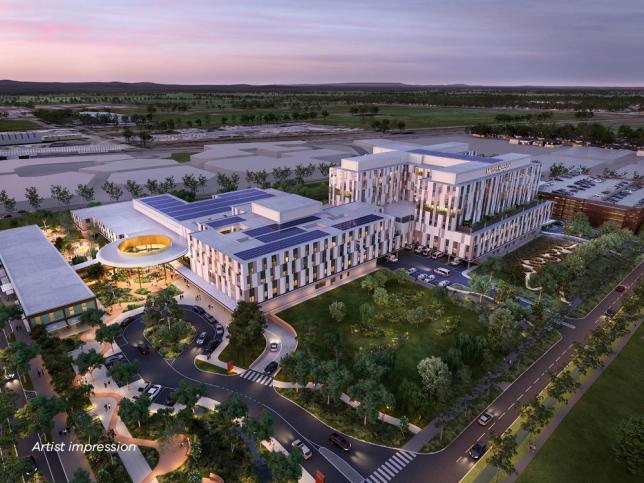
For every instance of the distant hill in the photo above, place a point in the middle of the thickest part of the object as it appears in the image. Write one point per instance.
(11, 87)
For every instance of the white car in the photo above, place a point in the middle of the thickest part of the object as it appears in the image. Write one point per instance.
(430, 278)
(427, 252)
(419, 249)
(153, 391)
(437, 254)
(444, 283)
(392, 258)
(201, 338)
(273, 347)
(411, 270)
(456, 261)
(304, 448)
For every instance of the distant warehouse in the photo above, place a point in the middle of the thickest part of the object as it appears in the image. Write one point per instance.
(49, 290)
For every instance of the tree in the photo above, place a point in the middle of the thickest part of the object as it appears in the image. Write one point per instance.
(202, 180)
(108, 333)
(259, 429)
(481, 285)
(190, 182)
(372, 396)
(134, 188)
(227, 183)
(122, 372)
(562, 385)
(32, 196)
(629, 444)
(404, 425)
(19, 355)
(578, 225)
(504, 292)
(112, 190)
(324, 168)
(607, 228)
(81, 476)
(38, 414)
(145, 137)
(152, 186)
(285, 468)
(380, 296)
(137, 411)
(128, 134)
(61, 194)
(502, 449)
(410, 397)
(232, 408)
(502, 330)
(535, 416)
(85, 191)
(9, 312)
(435, 376)
(417, 315)
(88, 361)
(162, 307)
(337, 309)
(334, 378)
(367, 312)
(8, 202)
(92, 317)
(8, 400)
(247, 323)
(281, 174)
(168, 184)
(188, 394)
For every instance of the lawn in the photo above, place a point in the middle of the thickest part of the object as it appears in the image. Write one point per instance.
(580, 448)
(208, 367)
(325, 339)
(181, 157)
(243, 356)
(18, 125)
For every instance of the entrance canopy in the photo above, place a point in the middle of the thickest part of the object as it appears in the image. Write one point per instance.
(141, 250)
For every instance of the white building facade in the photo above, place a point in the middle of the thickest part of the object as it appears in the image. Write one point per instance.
(464, 205)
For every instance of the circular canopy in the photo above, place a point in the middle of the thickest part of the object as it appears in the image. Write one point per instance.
(140, 251)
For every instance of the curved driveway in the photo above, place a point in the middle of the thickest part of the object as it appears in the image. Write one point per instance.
(290, 421)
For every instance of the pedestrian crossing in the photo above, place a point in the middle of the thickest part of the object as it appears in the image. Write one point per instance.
(257, 377)
(390, 468)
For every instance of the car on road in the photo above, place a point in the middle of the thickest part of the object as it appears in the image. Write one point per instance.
(201, 338)
(303, 448)
(456, 262)
(153, 391)
(270, 368)
(198, 309)
(340, 441)
(610, 312)
(411, 270)
(127, 321)
(143, 348)
(273, 347)
(478, 450)
(444, 283)
(484, 419)
(620, 288)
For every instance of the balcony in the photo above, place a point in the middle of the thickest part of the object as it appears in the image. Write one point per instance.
(466, 227)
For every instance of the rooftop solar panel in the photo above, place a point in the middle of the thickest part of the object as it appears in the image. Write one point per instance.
(278, 235)
(363, 220)
(281, 244)
(225, 221)
(262, 230)
(202, 213)
(214, 203)
(232, 193)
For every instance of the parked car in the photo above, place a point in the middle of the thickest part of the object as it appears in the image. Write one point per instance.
(392, 258)
(220, 331)
(31, 467)
(411, 270)
(456, 261)
(153, 391)
(427, 251)
(620, 288)
(270, 368)
(484, 419)
(610, 312)
(430, 277)
(340, 441)
(143, 348)
(170, 401)
(421, 277)
(444, 283)
(273, 347)
(210, 348)
(437, 254)
(303, 448)
(198, 309)
(127, 321)
(109, 362)
(201, 338)
(419, 249)
(477, 450)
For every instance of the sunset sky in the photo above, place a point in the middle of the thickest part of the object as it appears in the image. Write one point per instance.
(581, 42)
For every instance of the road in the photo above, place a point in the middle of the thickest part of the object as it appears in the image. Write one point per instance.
(292, 421)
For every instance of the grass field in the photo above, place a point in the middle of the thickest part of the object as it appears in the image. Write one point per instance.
(580, 448)
(321, 336)
(18, 125)
(181, 157)
(243, 356)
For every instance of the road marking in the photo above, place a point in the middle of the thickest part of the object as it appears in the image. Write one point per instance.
(520, 396)
(557, 359)
(566, 324)
(492, 425)
(535, 381)
(570, 346)
(390, 468)
(550, 366)
(529, 387)
(510, 406)
(257, 377)
(503, 414)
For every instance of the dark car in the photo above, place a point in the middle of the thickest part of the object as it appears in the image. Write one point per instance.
(127, 321)
(220, 331)
(477, 450)
(31, 467)
(210, 348)
(270, 368)
(143, 348)
(170, 400)
(610, 312)
(340, 441)
(109, 362)
(199, 310)
(620, 288)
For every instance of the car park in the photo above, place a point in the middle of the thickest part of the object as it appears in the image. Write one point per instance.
(270, 368)
(340, 441)
(476, 451)
(152, 391)
(143, 348)
(274, 347)
(484, 419)
(306, 452)
(201, 338)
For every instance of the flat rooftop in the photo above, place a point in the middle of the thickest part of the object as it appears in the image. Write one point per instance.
(42, 278)
(595, 188)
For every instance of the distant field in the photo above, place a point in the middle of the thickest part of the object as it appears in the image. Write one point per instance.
(18, 125)
(181, 157)
(580, 448)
